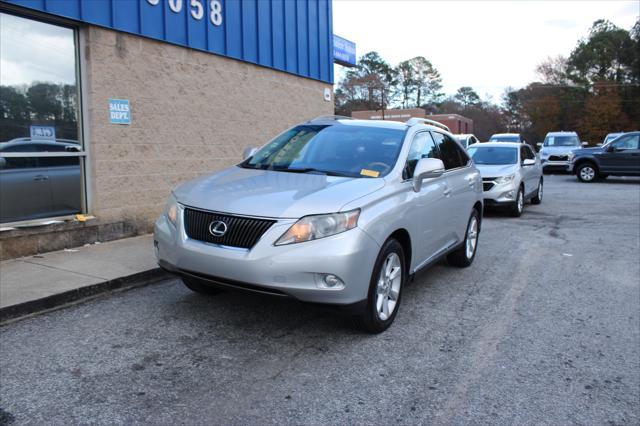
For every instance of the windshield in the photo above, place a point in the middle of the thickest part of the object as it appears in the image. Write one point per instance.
(612, 136)
(505, 138)
(336, 150)
(561, 141)
(495, 156)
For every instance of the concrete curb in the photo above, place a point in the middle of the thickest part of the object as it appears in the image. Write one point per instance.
(82, 294)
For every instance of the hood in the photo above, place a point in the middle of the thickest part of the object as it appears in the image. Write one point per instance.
(273, 194)
(487, 170)
(590, 150)
(555, 150)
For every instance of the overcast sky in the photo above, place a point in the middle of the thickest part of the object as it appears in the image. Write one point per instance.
(482, 44)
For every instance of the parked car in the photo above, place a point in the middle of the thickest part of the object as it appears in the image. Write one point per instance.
(36, 187)
(620, 157)
(511, 174)
(333, 211)
(467, 140)
(506, 137)
(555, 150)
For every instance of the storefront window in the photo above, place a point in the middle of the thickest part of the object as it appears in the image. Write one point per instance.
(41, 150)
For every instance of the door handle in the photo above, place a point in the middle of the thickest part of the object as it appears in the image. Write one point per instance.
(40, 177)
(447, 192)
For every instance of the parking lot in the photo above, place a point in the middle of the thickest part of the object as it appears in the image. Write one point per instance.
(544, 327)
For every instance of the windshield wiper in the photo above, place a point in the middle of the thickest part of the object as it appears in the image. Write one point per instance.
(312, 170)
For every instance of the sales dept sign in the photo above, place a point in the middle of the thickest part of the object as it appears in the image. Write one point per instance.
(119, 111)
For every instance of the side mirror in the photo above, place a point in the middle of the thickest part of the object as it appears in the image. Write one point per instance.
(528, 162)
(249, 152)
(426, 168)
(539, 144)
(585, 143)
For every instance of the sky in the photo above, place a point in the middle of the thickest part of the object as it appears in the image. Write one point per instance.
(488, 45)
(50, 56)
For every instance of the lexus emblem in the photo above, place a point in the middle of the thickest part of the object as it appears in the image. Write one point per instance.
(217, 228)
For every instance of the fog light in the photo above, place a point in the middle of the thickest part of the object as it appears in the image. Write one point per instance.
(331, 281)
(509, 195)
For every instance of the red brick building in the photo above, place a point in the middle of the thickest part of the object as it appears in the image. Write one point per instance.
(457, 123)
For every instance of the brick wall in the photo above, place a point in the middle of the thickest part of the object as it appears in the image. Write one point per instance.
(192, 113)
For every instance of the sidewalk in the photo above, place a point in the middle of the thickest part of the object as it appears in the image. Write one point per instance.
(46, 281)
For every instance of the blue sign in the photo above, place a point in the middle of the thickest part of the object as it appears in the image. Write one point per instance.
(291, 36)
(119, 112)
(43, 132)
(344, 51)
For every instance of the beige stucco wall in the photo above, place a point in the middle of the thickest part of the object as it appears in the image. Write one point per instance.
(192, 113)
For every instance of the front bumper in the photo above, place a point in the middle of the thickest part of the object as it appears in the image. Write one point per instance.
(295, 270)
(555, 165)
(497, 194)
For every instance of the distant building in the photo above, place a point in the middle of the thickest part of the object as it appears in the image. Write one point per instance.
(457, 123)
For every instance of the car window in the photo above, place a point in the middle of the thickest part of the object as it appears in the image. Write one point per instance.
(571, 140)
(451, 154)
(494, 155)
(422, 146)
(523, 155)
(58, 161)
(529, 153)
(626, 142)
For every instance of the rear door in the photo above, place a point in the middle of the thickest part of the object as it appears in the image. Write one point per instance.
(25, 189)
(460, 193)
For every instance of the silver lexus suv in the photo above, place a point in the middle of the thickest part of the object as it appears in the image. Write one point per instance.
(333, 211)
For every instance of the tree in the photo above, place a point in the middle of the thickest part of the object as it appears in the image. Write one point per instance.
(428, 81)
(406, 82)
(606, 55)
(602, 113)
(553, 71)
(466, 96)
(370, 85)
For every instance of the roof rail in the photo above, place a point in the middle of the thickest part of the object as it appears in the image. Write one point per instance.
(331, 117)
(417, 120)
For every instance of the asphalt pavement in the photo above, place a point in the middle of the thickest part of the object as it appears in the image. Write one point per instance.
(543, 328)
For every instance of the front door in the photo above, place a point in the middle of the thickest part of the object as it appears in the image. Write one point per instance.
(621, 156)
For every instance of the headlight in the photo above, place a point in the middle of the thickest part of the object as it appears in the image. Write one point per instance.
(505, 179)
(171, 209)
(571, 156)
(319, 226)
(543, 154)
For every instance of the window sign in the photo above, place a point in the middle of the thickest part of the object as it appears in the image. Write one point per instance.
(119, 112)
(43, 132)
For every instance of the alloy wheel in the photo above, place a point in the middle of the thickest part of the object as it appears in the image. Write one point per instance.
(388, 288)
(520, 201)
(472, 237)
(587, 173)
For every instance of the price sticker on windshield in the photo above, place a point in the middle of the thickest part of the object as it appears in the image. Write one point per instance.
(370, 173)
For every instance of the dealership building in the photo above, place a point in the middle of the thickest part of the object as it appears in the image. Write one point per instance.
(106, 105)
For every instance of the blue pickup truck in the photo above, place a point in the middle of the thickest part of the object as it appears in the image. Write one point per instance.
(620, 157)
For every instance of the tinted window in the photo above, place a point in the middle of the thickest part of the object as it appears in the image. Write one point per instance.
(451, 153)
(355, 151)
(523, 154)
(493, 155)
(626, 142)
(422, 146)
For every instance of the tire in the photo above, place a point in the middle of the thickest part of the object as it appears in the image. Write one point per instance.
(464, 255)
(518, 206)
(198, 286)
(385, 293)
(538, 197)
(587, 172)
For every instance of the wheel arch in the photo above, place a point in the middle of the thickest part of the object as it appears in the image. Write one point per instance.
(582, 161)
(478, 207)
(402, 236)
